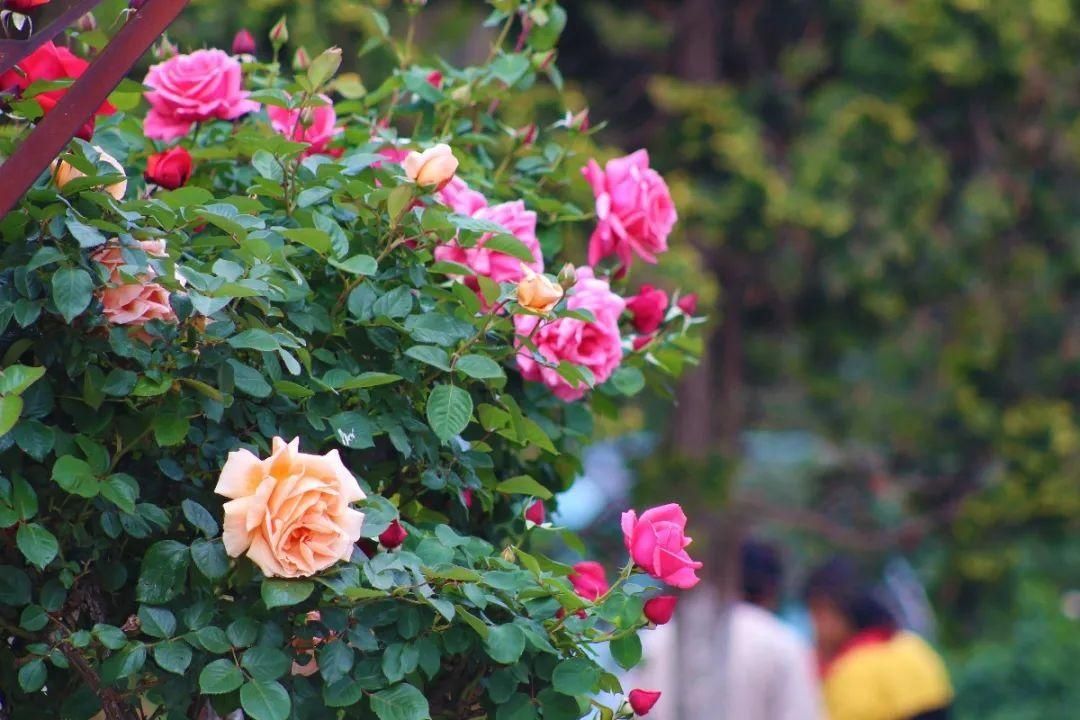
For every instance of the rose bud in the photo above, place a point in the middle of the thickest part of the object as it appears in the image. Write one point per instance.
(688, 303)
(393, 536)
(64, 172)
(279, 34)
(368, 547)
(648, 308)
(170, 169)
(467, 497)
(22, 6)
(243, 43)
(87, 23)
(535, 292)
(435, 78)
(660, 609)
(589, 580)
(580, 121)
(435, 166)
(567, 276)
(301, 60)
(536, 513)
(165, 49)
(527, 134)
(642, 701)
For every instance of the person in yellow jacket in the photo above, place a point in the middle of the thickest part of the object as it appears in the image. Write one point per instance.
(871, 669)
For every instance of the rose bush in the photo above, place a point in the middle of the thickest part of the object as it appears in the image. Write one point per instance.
(283, 422)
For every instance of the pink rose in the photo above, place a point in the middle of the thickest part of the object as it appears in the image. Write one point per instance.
(290, 513)
(595, 345)
(657, 544)
(589, 580)
(634, 210)
(496, 265)
(460, 198)
(659, 610)
(133, 303)
(648, 308)
(316, 125)
(642, 701)
(188, 89)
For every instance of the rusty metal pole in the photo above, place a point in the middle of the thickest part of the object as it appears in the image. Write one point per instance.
(83, 98)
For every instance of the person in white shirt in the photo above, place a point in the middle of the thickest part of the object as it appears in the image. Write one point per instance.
(733, 662)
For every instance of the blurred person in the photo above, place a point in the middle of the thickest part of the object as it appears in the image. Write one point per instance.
(764, 670)
(870, 668)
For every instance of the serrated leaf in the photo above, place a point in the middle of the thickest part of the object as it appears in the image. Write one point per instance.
(480, 367)
(524, 485)
(282, 593)
(220, 677)
(264, 700)
(37, 544)
(449, 410)
(400, 702)
(72, 289)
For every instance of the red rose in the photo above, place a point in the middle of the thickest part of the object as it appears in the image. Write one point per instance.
(23, 6)
(170, 169)
(648, 308)
(688, 303)
(435, 78)
(642, 701)
(536, 513)
(394, 535)
(660, 609)
(50, 62)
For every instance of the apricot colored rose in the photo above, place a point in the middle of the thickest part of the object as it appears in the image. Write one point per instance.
(290, 513)
(537, 293)
(435, 166)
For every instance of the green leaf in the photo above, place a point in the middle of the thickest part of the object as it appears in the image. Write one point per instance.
(524, 485)
(37, 544)
(34, 438)
(16, 379)
(265, 663)
(173, 656)
(430, 355)
(254, 339)
(75, 476)
(210, 558)
(505, 643)
(110, 636)
(449, 410)
(480, 367)
(353, 430)
(510, 245)
(357, 265)
(317, 240)
(346, 692)
(264, 700)
(437, 329)
(200, 517)
(220, 677)
(170, 430)
(369, 380)
(124, 663)
(11, 407)
(121, 490)
(324, 67)
(628, 381)
(510, 68)
(399, 200)
(518, 707)
(156, 621)
(23, 499)
(72, 289)
(282, 593)
(33, 618)
(32, 675)
(626, 650)
(400, 702)
(14, 586)
(88, 236)
(119, 383)
(249, 381)
(575, 676)
(164, 572)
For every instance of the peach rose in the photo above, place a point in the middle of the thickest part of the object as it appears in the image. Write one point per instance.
(128, 303)
(291, 512)
(64, 172)
(435, 166)
(537, 293)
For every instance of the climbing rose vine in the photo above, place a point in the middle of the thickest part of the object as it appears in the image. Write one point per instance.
(293, 372)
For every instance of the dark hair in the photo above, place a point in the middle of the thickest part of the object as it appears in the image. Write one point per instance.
(762, 571)
(840, 582)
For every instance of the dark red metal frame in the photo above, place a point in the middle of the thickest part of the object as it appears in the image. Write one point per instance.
(54, 131)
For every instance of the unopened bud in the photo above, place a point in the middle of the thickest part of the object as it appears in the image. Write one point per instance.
(461, 95)
(567, 276)
(580, 121)
(279, 34)
(508, 554)
(301, 60)
(243, 43)
(165, 49)
(527, 134)
(87, 23)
